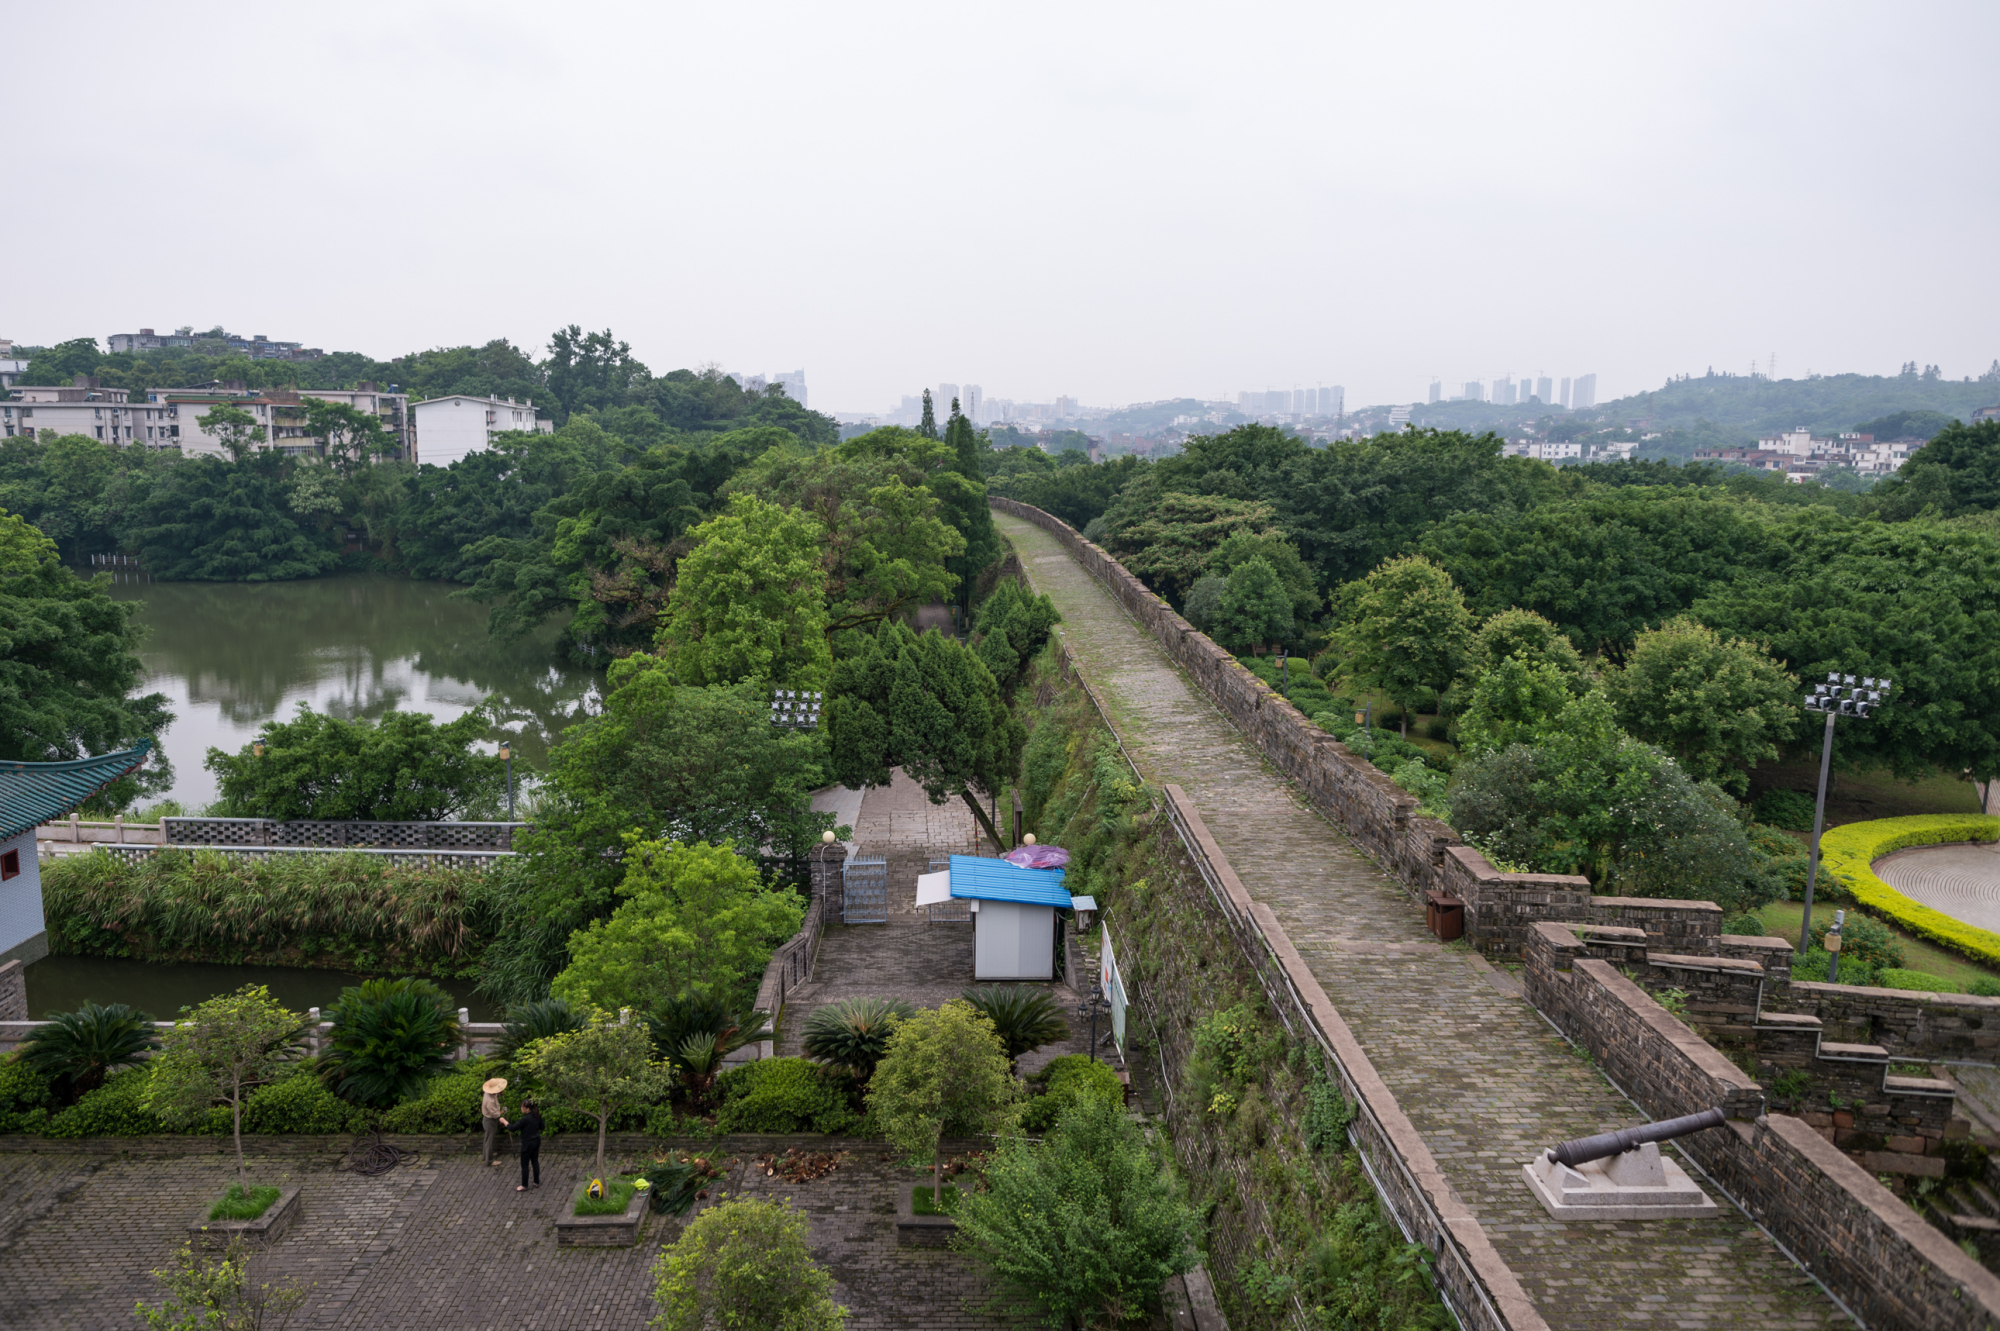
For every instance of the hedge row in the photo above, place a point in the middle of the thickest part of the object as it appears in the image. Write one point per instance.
(1851, 851)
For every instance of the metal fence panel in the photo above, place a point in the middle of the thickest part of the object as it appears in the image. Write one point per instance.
(314, 832)
(866, 897)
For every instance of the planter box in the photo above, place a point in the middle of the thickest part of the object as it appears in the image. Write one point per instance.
(920, 1231)
(261, 1232)
(602, 1231)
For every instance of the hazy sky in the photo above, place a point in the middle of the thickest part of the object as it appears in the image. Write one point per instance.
(1116, 202)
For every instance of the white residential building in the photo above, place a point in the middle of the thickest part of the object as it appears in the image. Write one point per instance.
(448, 428)
(11, 365)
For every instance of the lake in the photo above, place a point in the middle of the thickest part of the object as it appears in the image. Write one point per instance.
(161, 990)
(233, 655)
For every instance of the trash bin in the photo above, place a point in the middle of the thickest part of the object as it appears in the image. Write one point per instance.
(1444, 915)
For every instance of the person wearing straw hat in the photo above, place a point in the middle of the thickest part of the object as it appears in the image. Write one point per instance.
(490, 1114)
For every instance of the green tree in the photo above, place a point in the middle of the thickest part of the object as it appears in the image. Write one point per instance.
(750, 601)
(743, 1265)
(603, 1067)
(236, 429)
(944, 1073)
(929, 706)
(1525, 634)
(1168, 539)
(1917, 602)
(68, 664)
(205, 1291)
(1282, 556)
(1718, 705)
(352, 436)
(207, 520)
(1407, 630)
(697, 921)
(1254, 607)
(1957, 471)
(1014, 625)
(1515, 702)
(982, 541)
(1088, 1224)
(404, 768)
(927, 427)
(220, 1051)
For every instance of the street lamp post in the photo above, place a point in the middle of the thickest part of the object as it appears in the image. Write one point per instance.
(1091, 1004)
(1284, 677)
(1841, 695)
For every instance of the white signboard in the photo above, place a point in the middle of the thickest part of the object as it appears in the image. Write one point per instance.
(1112, 986)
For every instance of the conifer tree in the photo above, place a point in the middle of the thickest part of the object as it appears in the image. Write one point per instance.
(928, 428)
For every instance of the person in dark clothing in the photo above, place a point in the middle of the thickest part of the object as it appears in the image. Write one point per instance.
(530, 1128)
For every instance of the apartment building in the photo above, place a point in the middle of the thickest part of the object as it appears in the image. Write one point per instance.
(11, 365)
(256, 347)
(171, 417)
(448, 428)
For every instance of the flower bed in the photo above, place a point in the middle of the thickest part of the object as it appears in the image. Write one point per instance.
(1851, 851)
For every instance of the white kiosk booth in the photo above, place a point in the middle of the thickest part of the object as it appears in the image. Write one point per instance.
(1014, 914)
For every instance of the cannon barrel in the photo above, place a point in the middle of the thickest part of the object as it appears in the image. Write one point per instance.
(1583, 1149)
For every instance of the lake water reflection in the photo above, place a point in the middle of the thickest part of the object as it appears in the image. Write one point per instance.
(231, 656)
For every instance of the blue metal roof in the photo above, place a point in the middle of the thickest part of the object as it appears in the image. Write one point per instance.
(33, 793)
(997, 880)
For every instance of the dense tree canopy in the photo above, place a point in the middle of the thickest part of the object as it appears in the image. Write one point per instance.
(68, 664)
(404, 768)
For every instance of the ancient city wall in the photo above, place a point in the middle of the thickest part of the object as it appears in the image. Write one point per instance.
(1876, 1255)
(1423, 853)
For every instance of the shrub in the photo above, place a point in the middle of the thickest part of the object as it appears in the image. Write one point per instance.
(851, 1034)
(617, 1196)
(1023, 1018)
(1328, 1113)
(1070, 1078)
(1861, 939)
(744, 1264)
(1813, 966)
(1985, 986)
(83, 1047)
(692, 1034)
(1085, 1226)
(24, 1095)
(449, 1103)
(389, 1037)
(782, 1095)
(1895, 977)
(300, 1103)
(530, 1022)
(116, 1109)
(1787, 809)
(1852, 850)
(1749, 925)
(1437, 728)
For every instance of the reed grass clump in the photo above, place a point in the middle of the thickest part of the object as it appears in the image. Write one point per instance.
(347, 911)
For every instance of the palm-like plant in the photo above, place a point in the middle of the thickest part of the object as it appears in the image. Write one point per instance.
(531, 1022)
(852, 1034)
(82, 1048)
(673, 1025)
(1024, 1018)
(389, 1037)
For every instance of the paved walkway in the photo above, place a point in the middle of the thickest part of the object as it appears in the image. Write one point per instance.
(446, 1244)
(1479, 1072)
(1962, 881)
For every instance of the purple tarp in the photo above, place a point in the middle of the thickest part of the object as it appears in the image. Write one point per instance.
(1037, 857)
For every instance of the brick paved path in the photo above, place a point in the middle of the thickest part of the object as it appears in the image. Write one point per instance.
(1479, 1072)
(446, 1244)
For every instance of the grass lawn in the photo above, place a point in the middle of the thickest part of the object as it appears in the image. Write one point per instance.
(617, 1196)
(236, 1204)
(1854, 797)
(923, 1202)
(1782, 919)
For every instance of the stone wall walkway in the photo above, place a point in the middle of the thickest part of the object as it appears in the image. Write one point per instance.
(1478, 1071)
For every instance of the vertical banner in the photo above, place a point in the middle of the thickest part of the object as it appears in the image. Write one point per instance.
(1112, 986)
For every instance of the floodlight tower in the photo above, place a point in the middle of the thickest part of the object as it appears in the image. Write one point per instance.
(1841, 695)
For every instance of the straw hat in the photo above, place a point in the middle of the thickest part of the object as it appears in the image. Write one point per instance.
(495, 1086)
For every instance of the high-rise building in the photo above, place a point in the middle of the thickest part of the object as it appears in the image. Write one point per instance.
(1542, 389)
(1437, 391)
(1303, 401)
(1586, 393)
(1565, 394)
(941, 404)
(1065, 408)
(1332, 400)
(975, 401)
(1503, 391)
(794, 384)
(1475, 391)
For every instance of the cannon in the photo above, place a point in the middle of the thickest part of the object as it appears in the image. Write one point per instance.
(1585, 1149)
(1621, 1175)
